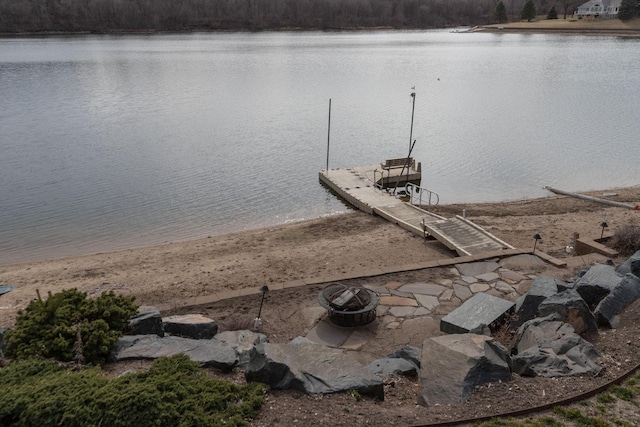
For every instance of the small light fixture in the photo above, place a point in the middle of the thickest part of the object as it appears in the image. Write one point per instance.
(258, 321)
(536, 237)
(603, 225)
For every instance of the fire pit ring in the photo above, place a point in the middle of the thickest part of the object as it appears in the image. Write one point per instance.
(349, 305)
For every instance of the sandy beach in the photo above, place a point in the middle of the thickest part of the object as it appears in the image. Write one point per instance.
(175, 272)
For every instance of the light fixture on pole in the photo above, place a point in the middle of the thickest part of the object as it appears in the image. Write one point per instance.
(603, 225)
(258, 321)
(536, 237)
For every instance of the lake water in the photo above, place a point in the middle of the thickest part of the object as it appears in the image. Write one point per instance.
(110, 142)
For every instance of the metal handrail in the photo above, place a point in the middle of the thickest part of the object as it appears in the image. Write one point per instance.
(375, 178)
(414, 191)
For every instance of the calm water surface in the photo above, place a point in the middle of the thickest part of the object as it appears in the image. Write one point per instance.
(110, 142)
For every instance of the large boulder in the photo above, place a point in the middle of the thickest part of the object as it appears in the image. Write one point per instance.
(408, 352)
(212, 353)
(454, 365)
(626, 292)
(596, 283)
(631, 265)
(313, 368)
(243, 343)
(479, 311)
(388, 366)
(147, 321)
(194, 326)
(527, 305)
(551, 348)
(571, 308)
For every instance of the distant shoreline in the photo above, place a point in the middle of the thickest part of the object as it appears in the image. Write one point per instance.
(578, 32)
(609, 27)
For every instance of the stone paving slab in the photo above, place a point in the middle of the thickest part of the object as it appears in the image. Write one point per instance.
(423, 288)
(328, 334)
(446, 295)
(395, 300)
(512, 275)
(504, 287)
(402, 311)
(357, 339)
(477, 268)
(479, 287)
(427, 301)
(488, 277)
(462, 292)
(402, 294)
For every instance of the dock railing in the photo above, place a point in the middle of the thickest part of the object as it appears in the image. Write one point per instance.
(381, 179)
(418, 193)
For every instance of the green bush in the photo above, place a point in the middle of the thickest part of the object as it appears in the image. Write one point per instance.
(68, 326)
(174, 392)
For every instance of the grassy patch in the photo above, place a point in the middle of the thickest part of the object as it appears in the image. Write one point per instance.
(580, 419)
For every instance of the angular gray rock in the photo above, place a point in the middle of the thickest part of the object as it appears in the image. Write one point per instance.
(408, 352)
(147, 321)
(625, 267)
(191, 326)
(551, 348)
(212, 353)
(625, 292)
(635, 267)
(527, 305)
(479, 311)
(313, 368)
(571, 308)
(243, 343)
(393, 366)
(454, 365)
(596, 283)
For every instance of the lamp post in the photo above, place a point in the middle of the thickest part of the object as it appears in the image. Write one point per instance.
(258, 321)
(603, 225)
(536, 237)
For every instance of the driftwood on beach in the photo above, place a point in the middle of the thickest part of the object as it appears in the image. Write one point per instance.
(594, 199)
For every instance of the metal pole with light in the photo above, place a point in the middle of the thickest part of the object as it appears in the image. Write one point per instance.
(258, 322)
(603, 225)
(536, 237)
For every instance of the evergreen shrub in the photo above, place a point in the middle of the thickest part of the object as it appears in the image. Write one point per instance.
(68, 326)
(174, 392)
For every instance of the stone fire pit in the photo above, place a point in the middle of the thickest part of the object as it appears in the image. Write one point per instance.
(349, 305)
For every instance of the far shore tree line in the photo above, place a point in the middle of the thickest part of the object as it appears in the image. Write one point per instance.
(33, 16)
(628, 9)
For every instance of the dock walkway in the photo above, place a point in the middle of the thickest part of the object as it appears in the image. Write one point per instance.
(356, 186)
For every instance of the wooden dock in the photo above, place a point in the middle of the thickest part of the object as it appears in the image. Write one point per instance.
(356, 186)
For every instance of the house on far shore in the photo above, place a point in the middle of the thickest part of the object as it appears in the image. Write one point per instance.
(598, 9)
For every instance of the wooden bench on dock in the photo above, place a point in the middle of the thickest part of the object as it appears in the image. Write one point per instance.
(397, 163)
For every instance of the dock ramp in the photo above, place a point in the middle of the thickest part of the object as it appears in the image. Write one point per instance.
(356, 186)
(407, 216)
(464, 237)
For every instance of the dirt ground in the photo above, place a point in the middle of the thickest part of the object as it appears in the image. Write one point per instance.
(341, 243)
